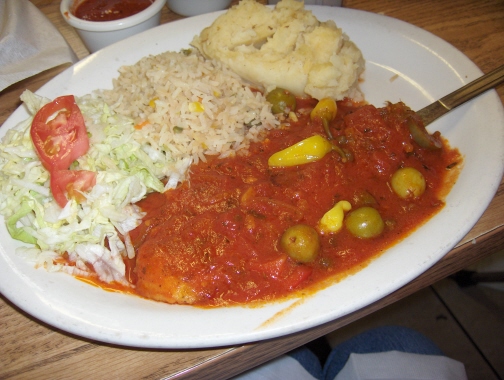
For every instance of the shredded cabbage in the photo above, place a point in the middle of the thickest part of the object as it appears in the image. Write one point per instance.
(95, 231)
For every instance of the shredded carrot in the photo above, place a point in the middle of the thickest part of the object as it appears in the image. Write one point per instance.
(142, 124)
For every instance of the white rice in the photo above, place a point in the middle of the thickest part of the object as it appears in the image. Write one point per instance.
(190, 107)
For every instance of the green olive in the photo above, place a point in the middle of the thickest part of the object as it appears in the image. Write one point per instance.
(282, 101)
(364, 223)
(301, 242)
(422, 137)
(408, 183)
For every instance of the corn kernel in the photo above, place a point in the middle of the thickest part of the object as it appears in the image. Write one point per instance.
(196, 107)
(152, 102)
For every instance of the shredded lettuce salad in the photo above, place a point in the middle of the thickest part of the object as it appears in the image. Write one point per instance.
(95, 231)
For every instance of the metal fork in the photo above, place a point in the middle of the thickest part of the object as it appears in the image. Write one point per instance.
(462, 95)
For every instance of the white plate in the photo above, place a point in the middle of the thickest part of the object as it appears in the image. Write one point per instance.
(424, 67)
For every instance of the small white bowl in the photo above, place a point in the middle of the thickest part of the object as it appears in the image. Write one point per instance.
(197, 7)
(98, 34)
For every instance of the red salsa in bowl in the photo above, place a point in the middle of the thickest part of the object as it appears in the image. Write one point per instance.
(109, 10)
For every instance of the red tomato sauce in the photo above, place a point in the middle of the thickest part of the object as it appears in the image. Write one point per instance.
(109, 10)
(215, 239)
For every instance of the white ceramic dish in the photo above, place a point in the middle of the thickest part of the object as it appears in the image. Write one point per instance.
(393, 50)
(196, 7)
(97, 35)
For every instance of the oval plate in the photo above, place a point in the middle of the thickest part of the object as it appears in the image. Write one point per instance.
(393, 50)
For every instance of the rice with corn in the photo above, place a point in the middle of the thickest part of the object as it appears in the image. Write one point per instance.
(190, 107)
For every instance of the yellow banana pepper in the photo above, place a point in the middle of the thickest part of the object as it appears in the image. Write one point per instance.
(325, 111)
(332, 221)
(308, 150)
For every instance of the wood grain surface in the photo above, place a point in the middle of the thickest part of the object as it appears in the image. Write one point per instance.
(31, 349)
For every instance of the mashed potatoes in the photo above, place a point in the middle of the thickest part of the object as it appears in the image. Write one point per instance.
(284, 47)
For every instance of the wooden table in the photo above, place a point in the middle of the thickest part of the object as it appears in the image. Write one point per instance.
(31, 349)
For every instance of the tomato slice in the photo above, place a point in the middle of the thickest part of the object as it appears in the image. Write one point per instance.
(71, 184)
(59, 134)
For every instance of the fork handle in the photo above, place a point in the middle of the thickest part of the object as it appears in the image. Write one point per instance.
(462, 95)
